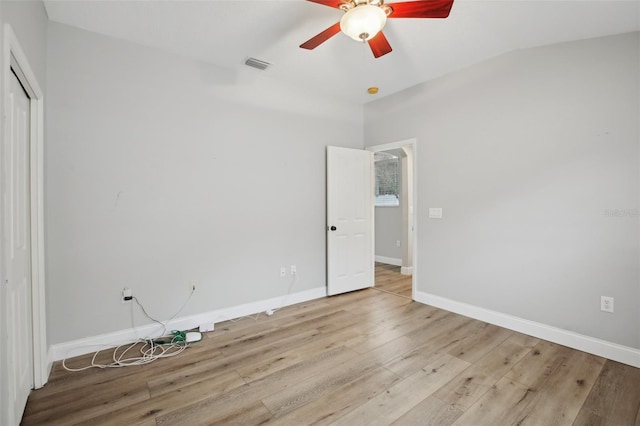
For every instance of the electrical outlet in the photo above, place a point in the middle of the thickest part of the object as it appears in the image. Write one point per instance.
(127, 295)
(283, 271)
(398, 243)
(192, 286)
(606, 304)
(293, 269)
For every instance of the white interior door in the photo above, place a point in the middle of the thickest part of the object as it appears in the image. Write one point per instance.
(350, 258)
(18, 251)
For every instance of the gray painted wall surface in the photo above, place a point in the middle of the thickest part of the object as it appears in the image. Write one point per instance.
(388, 230)
(534, 158)
(162, 170)
(388, 227)
(29, 22)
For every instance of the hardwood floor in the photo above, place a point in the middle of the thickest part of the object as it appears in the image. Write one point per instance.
(362, 358)
(389, 279)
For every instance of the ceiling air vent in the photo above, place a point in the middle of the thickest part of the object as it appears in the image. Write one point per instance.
(257, 63)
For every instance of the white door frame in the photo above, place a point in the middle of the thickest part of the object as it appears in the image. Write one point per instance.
(413, 223)
(14, 58)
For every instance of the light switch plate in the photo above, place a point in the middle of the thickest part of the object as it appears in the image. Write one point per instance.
(435, 212)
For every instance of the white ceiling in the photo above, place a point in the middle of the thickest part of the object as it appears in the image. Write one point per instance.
(226, 33)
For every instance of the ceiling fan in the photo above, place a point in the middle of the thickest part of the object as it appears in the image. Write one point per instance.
(364, 19)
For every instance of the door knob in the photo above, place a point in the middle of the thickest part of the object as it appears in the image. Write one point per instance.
(333, 228)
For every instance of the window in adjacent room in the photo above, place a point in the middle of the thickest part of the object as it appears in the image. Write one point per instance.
(387, 190)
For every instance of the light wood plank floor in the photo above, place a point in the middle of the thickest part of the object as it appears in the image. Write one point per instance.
(362, 358)
(389, 279)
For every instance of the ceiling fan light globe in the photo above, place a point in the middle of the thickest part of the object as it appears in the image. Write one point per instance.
(363, 22)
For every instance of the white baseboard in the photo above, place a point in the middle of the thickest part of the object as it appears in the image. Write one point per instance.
(603, 348)
(406, 270)
(389, 260)
(91, 344)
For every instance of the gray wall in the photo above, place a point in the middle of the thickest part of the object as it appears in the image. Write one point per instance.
(29, 22)
(156, 166)
(388, 230)
(533, 157)
(162, 170)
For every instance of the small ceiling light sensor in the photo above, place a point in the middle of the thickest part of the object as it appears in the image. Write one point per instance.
(372, 90)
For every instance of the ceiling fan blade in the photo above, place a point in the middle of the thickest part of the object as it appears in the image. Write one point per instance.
(331, 3)
(316, 41)
(379, 45)
(421, 9)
